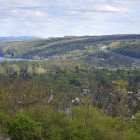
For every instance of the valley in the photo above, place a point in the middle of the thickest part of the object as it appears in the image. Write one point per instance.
(70, 88)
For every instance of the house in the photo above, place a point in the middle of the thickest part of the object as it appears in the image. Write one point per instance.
(86, 90)
(76, 101)
(51, 99)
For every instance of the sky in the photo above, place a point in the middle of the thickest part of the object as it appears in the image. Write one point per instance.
(55, 18)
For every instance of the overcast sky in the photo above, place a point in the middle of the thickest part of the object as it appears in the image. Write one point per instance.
(47, 18)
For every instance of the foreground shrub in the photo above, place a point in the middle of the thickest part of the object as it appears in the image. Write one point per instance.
(57, 126)
(137, 123)
(3, 121)
(23, 127)
(131, 135)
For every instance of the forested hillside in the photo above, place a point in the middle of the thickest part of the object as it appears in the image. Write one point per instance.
(57, 46)
(90, 49)
(129, 48)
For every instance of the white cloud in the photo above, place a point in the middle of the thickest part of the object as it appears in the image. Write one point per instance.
(74, 12)
(29, 24)
(14, 11)
(5, 20)
(40, 14)
(110, 8)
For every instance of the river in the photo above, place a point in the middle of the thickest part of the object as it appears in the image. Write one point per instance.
(16, 59)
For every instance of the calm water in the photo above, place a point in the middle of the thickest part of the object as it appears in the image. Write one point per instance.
(15, 59)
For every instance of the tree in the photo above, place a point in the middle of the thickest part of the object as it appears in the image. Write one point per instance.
(120, 99)
(137, 123)
(23, 127)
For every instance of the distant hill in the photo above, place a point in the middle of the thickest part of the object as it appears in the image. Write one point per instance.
(120, 49)
(16, 38)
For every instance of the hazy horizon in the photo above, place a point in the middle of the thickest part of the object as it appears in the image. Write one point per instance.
(58, 18)
(63, 36)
